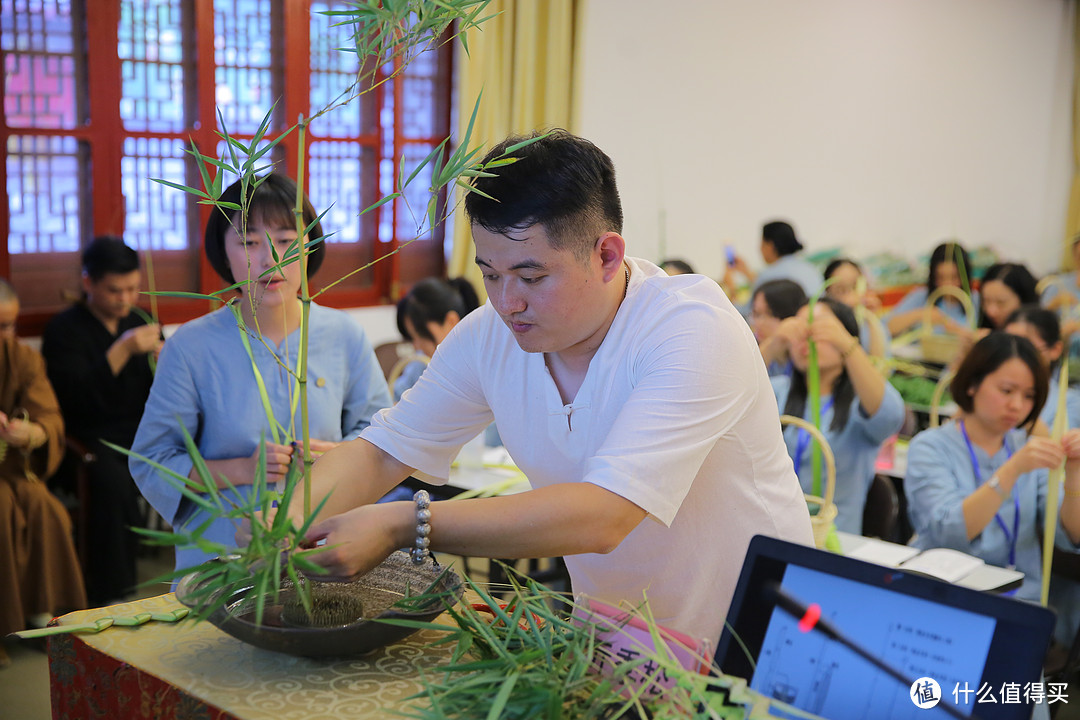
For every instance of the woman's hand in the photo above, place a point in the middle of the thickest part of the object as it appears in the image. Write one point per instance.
(1039, 452)
(790, 331)
(278, 459)
(1070, 443)
(827, 329)
(358, 540)
(318, 447)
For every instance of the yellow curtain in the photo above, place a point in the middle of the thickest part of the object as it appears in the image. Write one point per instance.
(522, 60)
(1072, 223)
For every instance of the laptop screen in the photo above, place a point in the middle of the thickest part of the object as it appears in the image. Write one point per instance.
(921, 628)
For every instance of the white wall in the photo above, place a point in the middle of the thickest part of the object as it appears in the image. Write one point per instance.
(872, 125)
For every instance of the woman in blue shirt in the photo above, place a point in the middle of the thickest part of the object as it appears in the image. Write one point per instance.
(426, 315)
(947, 312)
(1004, 289)
(782, 253)
(978, 483)
(205, 383)
(859, 409)
(1043, 329)
(771, 304)
(849, 287)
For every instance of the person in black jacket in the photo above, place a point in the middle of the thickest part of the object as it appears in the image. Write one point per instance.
(97, 354)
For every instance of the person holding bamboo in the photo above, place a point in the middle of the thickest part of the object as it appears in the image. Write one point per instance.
(99, 354)
(227, 378)
(1043, 329)
(846, 282)
(770, 305)
(950, 266)
(859, 410)
(978, 484)
(632, 401)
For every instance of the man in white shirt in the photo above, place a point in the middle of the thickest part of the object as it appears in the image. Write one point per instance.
(636, 404)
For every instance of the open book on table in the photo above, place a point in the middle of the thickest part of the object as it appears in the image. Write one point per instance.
(942, 563)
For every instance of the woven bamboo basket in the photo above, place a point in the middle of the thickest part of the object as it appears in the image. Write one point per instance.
(936, 347)
(823, 519)
(935, 399)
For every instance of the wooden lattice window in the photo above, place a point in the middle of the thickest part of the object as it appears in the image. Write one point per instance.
(85, 128)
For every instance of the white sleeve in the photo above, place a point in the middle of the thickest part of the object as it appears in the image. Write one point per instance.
(697, 378)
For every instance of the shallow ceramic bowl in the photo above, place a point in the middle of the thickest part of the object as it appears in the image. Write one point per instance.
(378, 590)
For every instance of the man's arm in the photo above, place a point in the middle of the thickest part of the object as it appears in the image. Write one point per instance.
(563, 519)
(353, 473)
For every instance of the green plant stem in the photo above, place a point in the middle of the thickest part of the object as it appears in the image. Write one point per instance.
(305, 312)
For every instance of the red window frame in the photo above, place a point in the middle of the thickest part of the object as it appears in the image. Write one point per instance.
(103, 135)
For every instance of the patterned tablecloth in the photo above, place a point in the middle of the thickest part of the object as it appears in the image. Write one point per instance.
(193, 671)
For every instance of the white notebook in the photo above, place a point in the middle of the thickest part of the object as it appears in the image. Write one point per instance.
(943, 563)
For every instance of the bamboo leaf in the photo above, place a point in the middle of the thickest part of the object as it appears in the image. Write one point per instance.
(183, 188)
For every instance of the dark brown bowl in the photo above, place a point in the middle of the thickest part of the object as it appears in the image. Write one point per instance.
(379, 590)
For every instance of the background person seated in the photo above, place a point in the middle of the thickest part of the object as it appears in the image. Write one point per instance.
(782, 253)
(859, 410)
(771, 303)
(39, 569)
(1004, 288)
(426, 315)
(849, 287)
(947, 313)
(978, 483)
(675, 266)
(98, 355)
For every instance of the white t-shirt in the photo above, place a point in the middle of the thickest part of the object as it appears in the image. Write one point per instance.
(675, 414)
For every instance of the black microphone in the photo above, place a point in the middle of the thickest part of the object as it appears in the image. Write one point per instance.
(810, 619)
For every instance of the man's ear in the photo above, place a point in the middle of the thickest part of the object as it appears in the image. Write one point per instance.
(87, 283)
(611, 248)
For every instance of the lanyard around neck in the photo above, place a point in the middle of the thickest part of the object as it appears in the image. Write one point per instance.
(804, 437)
(1010, 537)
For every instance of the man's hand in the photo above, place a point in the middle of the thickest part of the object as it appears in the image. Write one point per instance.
(358, 540)
(143, 339)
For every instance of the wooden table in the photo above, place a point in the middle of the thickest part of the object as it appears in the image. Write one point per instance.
(193, 670)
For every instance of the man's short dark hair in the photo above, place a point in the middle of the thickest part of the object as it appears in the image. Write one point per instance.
(988, 355)
(271, 200)
(108, 254)
(561, 181)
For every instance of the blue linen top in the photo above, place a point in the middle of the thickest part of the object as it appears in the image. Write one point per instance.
(939, 478)
(865, 337)
(408, 377)
(916, 299)
(205, 383)
(1072, 404)
(1066, 281)
(791, 267)
(855, 448)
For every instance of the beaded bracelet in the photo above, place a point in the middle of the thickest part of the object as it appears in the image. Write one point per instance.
(423, 527)
(1072, 493)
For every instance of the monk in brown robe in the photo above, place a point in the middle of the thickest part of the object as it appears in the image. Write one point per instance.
(39, 570)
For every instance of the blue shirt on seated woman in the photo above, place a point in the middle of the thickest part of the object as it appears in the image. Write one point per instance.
(859, 409)
(205, 382)
(978, 484)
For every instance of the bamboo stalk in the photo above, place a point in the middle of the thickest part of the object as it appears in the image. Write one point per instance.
(305, 314)
(1055, 478)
